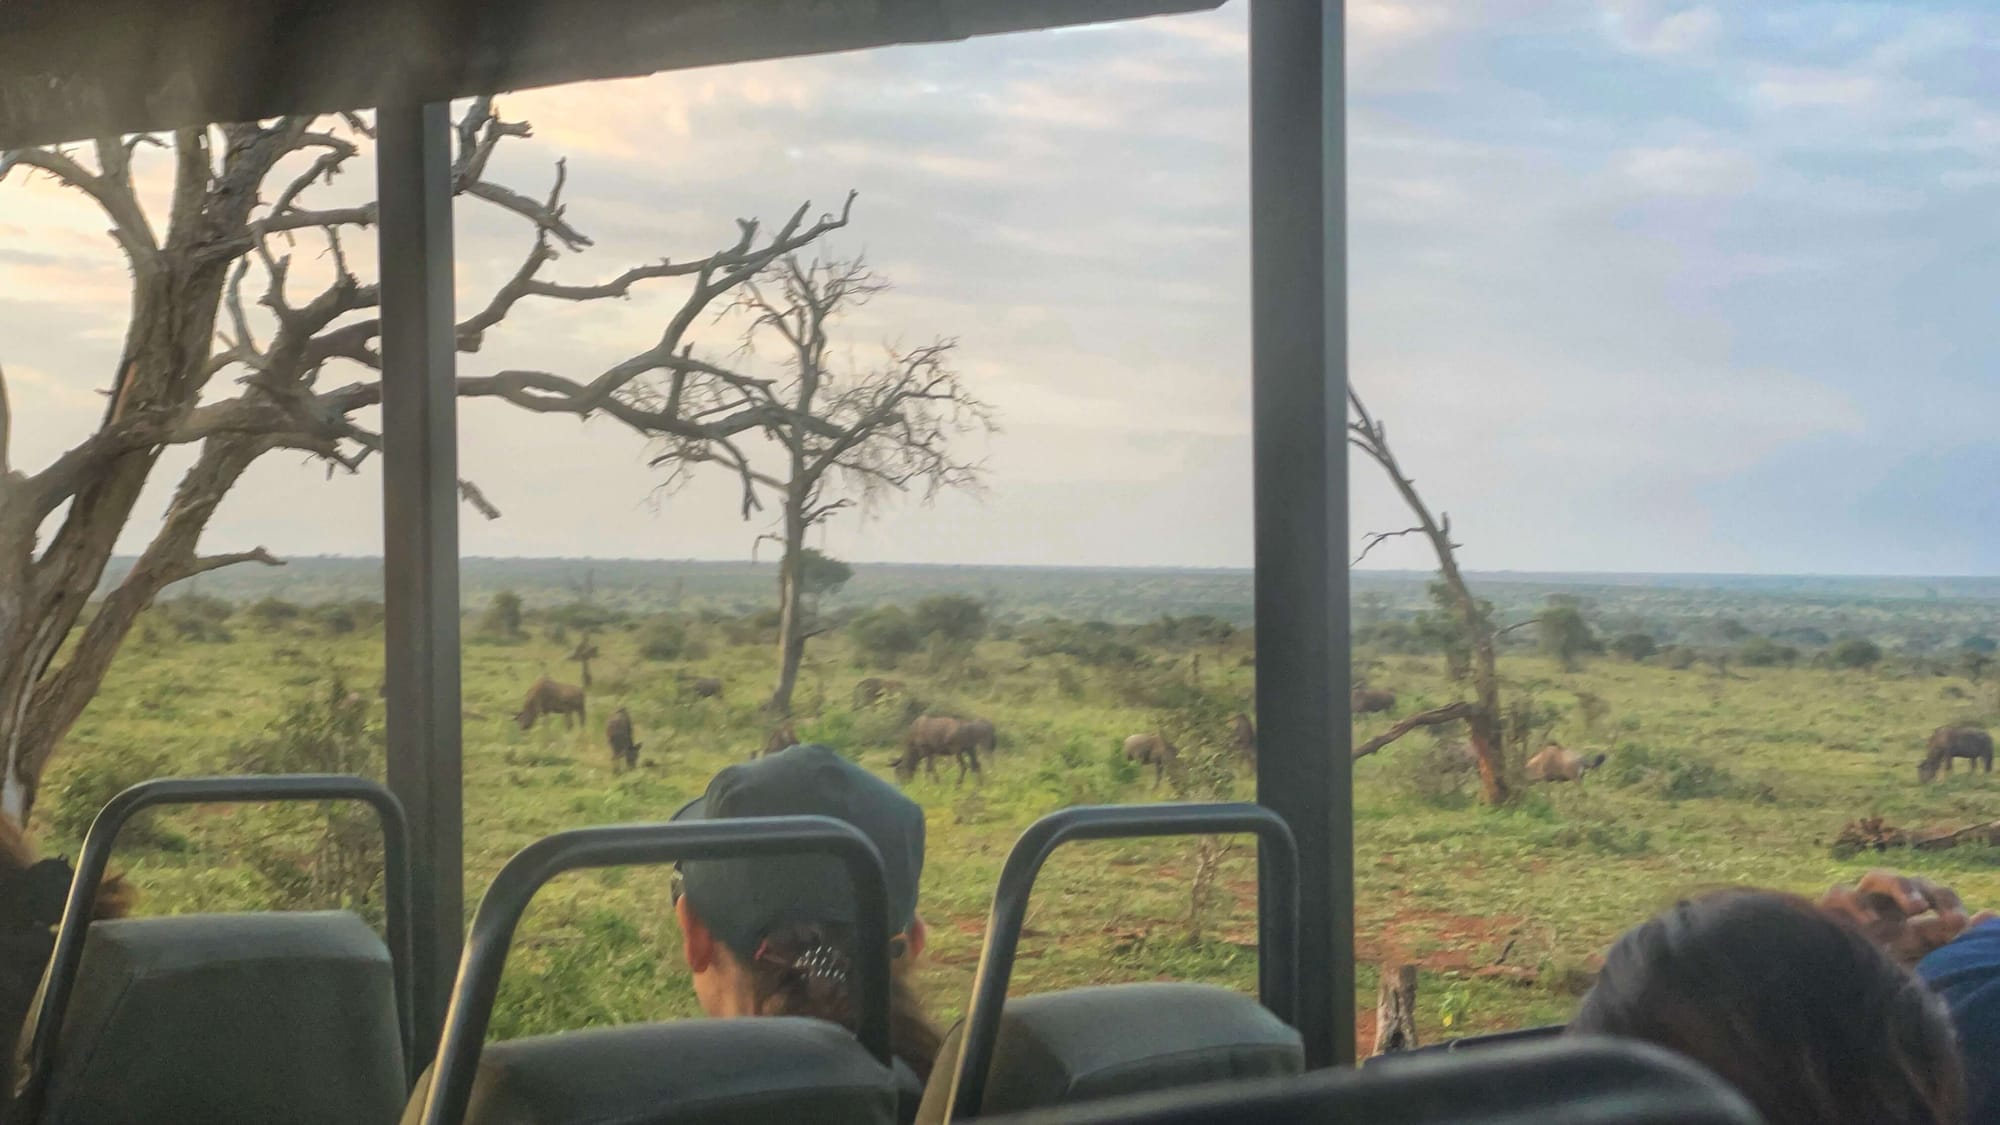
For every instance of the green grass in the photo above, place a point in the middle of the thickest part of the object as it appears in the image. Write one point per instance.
(1710, 781)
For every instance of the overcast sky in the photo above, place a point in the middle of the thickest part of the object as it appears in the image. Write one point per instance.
(1637, 286)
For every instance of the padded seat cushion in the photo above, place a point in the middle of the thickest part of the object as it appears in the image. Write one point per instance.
(230, 1018)
(1579, 1081)
(690, 1072)
(1088, 1043)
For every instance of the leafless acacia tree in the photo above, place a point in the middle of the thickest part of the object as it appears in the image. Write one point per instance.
(236, 209)
(839, 434)
(1481, 714)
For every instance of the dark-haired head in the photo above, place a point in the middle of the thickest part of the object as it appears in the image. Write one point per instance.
(1799, 1011)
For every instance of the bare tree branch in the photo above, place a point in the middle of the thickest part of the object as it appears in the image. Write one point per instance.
(202, 564)
(470, 493)
(112, 191)
(1377, 538)
(1437, 716)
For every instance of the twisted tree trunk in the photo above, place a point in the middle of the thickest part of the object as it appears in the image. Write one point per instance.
(791, 608)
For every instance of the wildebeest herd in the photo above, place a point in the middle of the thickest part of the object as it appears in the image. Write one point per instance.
(930, 737)
(1555, 763)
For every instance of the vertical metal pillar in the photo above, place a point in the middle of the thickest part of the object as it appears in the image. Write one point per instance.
(420, 536)
(1299, 388)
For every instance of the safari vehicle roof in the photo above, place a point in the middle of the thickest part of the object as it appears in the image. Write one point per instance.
(82, 68)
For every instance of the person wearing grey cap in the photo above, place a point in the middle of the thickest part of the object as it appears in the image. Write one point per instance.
(775, 936)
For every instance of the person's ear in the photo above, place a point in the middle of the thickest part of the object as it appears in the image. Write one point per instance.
(916, 936)
(697, 943)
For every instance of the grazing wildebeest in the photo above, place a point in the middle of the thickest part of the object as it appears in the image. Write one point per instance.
(1152, 750)
(929, 738)
(783, 737)
(1946, 743)
(874, 688)
(548, 697)
(1554, 763)
(977, 736)
(1243, 737)
(618, 732)
(702, 687)
(1367, 700)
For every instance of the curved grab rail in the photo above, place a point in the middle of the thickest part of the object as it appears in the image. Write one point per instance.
(500, 911)
(1278, 902)
(60, 979)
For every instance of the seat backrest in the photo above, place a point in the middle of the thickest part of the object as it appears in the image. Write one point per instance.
(1057, 1048)
(227, 1019)
(1474, 1043)
(1570, 1081)
(696, 1072)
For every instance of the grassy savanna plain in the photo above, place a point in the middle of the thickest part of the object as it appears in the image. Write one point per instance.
(1743, 778)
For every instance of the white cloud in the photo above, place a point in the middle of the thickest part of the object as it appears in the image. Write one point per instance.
(1653, 28)
(1690, 170)
(1792, 87)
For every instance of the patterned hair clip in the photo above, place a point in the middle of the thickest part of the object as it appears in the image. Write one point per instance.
(821, 962)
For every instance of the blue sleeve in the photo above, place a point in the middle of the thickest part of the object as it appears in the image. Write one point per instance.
(1966, 974)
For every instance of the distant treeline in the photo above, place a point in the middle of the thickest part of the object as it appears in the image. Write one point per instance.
(644, 586)
(1905, 614)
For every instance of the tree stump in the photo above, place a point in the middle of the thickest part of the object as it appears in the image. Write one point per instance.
(1396, 1010)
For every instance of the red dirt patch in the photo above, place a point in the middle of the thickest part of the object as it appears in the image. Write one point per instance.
(1466, 944)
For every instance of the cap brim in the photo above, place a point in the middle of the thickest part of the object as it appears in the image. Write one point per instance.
(696, 809)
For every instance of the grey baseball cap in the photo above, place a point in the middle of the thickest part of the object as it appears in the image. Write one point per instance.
(743, 900)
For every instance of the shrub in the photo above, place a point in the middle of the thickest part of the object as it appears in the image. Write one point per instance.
(663, 638)
(954, 617)
(1855, 652)
(1565, 635)
(1679, 777)
(197, 618)
(502, 619)
(1678, 657)
(584, 617)
(330, 855)
(884, 634)
(1635, 646)
(1077, 775)
(1194, 630)
(1092, 642)
(272, 613)
(1763, 652)
(86, 778)
(759, 627)
(1438, 772)
(368, 612)
(336, 619)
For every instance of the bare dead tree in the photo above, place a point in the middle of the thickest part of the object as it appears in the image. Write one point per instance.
(840, 435)
(237, 208)
(1481, 714)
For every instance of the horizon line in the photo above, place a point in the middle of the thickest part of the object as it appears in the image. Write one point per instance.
(1504, 572)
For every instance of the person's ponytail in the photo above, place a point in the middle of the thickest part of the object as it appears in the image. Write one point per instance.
(808, 970)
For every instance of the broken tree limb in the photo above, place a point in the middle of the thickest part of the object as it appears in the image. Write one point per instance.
(1874, 834)
(1436, 716)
